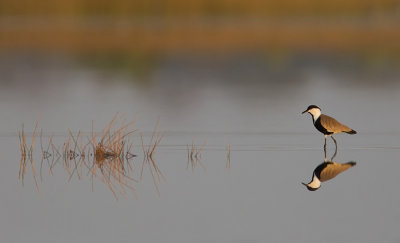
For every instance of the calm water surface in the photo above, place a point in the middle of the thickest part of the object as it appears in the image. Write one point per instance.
(242, 102)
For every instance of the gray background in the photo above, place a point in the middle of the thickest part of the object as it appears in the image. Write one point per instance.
(239, 100)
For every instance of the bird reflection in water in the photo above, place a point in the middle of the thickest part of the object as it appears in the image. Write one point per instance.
(326, 171)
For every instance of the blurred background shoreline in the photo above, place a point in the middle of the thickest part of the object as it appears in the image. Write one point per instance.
(360, 28)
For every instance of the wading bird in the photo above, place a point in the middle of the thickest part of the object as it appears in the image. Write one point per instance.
(326, 124)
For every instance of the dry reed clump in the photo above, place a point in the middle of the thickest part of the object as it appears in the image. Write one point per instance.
(194, 156)
(27, 154)
(106, 155)
(228, 157)
(148, 161)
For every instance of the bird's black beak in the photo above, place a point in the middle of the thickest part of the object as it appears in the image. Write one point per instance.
(304, 111)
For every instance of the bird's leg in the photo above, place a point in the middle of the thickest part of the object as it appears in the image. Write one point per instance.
(335, 147)
(334, 155)
(325, 147)
(335, 143)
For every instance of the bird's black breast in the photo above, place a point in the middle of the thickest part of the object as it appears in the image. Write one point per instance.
(320, 128)
(320, 168)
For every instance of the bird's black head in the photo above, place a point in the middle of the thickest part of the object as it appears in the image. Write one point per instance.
(310, 107)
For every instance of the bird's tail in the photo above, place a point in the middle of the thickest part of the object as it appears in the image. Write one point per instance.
(352, 132)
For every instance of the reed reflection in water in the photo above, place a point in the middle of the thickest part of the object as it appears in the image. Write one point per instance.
(105, 155)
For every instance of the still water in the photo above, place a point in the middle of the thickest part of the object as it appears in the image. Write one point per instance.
(245, 102)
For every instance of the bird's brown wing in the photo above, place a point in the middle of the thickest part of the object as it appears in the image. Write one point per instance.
(333, 169)
(333, 126)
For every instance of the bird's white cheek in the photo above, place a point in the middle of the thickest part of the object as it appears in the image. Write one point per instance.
(316, 183)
